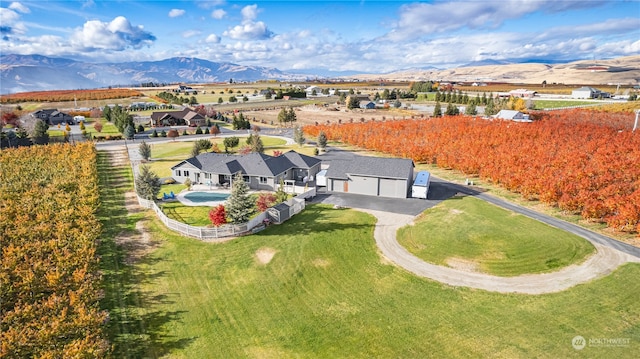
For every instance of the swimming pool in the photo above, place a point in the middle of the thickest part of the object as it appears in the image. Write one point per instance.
(199, 197)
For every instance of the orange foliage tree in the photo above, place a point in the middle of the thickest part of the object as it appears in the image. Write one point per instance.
(50, 283)
(585, 162)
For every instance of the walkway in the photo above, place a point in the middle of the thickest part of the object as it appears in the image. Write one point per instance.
(605, 261)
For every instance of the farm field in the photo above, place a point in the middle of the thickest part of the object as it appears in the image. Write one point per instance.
(468, 231)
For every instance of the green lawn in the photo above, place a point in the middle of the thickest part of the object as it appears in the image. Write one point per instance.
(183, 149)
(192, 215)
(327, 293)
(541, 104)
(495, 240)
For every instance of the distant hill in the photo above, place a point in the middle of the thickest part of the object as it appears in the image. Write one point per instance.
(623, 70)
(20, 73)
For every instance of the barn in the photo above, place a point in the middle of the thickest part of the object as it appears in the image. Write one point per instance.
(371, 176)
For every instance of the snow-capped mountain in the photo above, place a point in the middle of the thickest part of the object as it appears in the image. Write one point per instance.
(20, 73)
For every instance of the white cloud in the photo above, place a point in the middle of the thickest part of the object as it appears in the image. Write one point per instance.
(213, 39)
(19, 7)
(218, 14)
(176, 12)
(249, 13)
(420, 19)
(208, 4)
(190, 33)
(8, 17)
(116, 35)
(249, 31)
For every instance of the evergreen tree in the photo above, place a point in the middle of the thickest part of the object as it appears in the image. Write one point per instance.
(256, 143)
(240, 205)
(322, 140)
(39, 134)
(471, 109)
(452, 110)
(144, 150)
(490, 108)
(298, 136)
(437, 110)
(106, 113)
(147, 183)
(129, 132)
(353, 102)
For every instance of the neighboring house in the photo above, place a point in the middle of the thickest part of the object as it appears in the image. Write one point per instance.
(178, 118)
(371, 176)
(588, 92)
(186, 90)
(512, 115)
(523, 93)
(259, 171)
(53, 117)
(368, 105)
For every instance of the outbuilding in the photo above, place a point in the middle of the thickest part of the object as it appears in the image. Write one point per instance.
(420, 188)
(371, 176)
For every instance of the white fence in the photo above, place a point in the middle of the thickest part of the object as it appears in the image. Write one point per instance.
(222, 233)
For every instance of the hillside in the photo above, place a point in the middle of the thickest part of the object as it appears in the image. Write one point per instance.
(624, 70)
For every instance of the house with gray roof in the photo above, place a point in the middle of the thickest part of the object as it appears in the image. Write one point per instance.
(53, 117)
(371, 176)
(259, 171)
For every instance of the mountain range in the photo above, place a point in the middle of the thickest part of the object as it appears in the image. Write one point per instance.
(21, 73)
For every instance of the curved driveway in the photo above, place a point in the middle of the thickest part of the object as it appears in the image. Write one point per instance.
(598, 265)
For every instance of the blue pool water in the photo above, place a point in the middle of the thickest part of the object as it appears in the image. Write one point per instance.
(205, 196)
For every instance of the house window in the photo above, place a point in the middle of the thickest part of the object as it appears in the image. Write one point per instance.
(186, 173)
(207, 175)
(247, 179)
(263, 180)
(178, 173)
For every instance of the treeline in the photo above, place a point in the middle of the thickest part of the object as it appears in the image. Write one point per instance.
(168, 97)
(69, 95)
(50, 282)
(584, 162)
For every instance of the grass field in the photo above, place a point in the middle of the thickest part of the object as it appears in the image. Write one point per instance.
(542, 104)
(327, 293)
(491, 239)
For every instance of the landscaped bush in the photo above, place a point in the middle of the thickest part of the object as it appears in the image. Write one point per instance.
(168, 181)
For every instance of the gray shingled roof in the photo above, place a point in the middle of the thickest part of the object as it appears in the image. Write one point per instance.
(253, 164)
(371, 166)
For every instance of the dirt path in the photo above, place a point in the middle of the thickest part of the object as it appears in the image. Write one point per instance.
(605, 261)
(137, 242)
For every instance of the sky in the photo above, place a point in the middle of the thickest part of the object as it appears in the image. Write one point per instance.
(371, 36)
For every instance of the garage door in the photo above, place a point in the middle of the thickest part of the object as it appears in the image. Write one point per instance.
(392, 188)
(364, 185)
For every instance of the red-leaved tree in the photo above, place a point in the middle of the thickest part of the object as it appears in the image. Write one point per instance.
(218, 215)
(265, 200)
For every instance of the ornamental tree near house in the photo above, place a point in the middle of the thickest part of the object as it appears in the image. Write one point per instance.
(265, 200)
(218, 215)
(240, 205)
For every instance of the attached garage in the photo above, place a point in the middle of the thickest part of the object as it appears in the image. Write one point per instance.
(371, 176)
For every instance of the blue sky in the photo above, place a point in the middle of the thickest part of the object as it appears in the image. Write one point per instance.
(368, 36)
